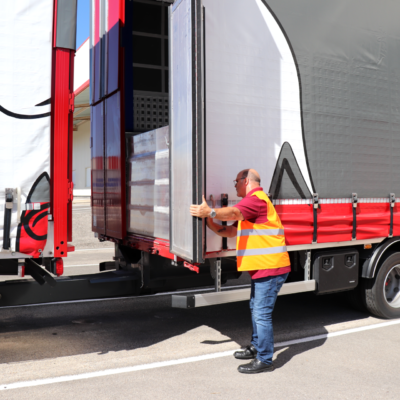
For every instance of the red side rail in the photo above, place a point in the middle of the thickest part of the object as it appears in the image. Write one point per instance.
(61, 143)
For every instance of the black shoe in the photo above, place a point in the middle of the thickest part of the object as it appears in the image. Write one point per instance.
(255, 366)
(248, 353)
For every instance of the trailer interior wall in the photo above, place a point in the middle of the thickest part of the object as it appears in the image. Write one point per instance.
(147, 118)
(146, 65)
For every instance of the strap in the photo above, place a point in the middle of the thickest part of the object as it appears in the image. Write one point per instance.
(392, 201)
(354, 199)
(315, 214)
(224, 203)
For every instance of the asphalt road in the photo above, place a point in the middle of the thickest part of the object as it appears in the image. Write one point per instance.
(48, 342)
(141, 348)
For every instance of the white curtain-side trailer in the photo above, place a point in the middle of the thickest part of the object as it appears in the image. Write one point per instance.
(36, 105)
(187, 93)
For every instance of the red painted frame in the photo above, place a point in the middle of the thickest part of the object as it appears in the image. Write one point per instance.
(61, 143)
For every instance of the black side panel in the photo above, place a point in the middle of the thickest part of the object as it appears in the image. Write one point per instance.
(336, 270)
(348, 57)
(287, 181)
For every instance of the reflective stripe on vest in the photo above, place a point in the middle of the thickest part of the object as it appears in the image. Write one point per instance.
(261, 232)
(261, 246)
(259, 252)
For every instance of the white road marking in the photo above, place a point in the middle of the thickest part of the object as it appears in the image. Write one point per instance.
(100, 248)
(339, 333)
(116, 371)
(81, 265)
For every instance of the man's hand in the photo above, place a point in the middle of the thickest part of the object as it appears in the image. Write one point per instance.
(201, 211)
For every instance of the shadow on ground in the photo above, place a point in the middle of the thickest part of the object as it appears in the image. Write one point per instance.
(32, 333)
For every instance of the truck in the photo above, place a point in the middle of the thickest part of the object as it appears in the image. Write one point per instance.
(184, 94)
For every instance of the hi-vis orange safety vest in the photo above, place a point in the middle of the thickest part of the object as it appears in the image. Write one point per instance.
(261, 246)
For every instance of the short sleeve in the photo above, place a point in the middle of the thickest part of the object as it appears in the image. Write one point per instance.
(249, 207)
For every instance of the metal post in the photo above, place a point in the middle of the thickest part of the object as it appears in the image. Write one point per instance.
(215, 270)
(218, 275)
(307, 266)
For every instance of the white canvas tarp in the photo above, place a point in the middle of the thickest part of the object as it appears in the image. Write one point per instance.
(25, 83)
(252, 98)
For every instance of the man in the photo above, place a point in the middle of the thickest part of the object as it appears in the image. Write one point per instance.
(260, 250)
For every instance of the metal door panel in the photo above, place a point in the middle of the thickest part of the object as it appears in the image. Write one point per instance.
(114, 165)
(186, 124)
(97, 151)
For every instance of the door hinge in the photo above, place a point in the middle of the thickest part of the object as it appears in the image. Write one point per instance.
(70, 191)
(71, 106)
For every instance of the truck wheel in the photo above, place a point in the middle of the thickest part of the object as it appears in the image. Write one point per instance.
(382, 293)
(356, 297)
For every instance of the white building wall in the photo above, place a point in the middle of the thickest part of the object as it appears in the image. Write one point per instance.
(81, 62)
(81, 160)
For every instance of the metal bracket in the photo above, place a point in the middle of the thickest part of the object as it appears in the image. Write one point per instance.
(307, 266)
(315, 200)
(71, 105)
(354, 199)
(192, 267)
(392, 201)
(215, 270)
(70, 191)
(39, 274)
(9, 196)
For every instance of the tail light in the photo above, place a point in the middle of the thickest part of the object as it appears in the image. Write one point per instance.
(59, 266)
(21, 271)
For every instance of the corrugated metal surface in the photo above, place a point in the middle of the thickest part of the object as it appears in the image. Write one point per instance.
(148, 183)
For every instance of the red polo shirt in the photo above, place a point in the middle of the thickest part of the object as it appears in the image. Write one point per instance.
(253, 210)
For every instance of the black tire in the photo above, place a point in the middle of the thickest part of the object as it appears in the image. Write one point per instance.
(356, 297)
(375, 295)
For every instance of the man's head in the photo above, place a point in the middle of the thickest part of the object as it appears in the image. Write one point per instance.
(247, 180)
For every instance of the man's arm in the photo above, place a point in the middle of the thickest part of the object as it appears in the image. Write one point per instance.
(220, 230)
(223, 214)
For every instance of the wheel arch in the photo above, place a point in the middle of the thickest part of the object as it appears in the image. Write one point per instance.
(380, 254)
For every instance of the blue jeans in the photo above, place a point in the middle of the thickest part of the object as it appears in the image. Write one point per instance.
(264, 292)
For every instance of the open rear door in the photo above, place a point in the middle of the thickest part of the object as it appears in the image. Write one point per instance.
(107, 127)
(186, 128)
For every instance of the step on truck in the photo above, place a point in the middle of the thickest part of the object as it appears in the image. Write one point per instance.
(185, 94)
(36, 105)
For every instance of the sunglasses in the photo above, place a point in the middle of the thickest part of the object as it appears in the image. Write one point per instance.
(235, 182)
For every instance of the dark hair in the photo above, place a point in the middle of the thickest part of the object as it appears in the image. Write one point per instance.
(245, 173)
(252, 177)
